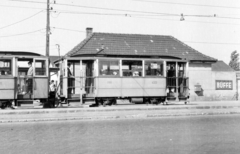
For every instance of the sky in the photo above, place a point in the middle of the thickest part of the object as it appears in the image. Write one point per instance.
(209, 26)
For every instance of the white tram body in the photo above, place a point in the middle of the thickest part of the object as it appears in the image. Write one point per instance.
(111, 78)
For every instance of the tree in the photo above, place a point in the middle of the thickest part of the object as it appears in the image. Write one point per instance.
(234, 64)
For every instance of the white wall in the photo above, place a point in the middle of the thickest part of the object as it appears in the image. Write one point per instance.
(203, 75)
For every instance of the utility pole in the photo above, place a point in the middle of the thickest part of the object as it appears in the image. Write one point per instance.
(48, 29)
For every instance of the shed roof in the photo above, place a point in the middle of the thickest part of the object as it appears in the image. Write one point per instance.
(136, 45)
(221, 66)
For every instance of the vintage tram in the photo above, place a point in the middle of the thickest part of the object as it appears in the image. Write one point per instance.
(24, 78)
(107, 79)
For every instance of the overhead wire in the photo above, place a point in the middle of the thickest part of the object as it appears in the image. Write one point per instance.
(21, 7)
(166, 14)
(68, 29)
(193, 21)
(21, 20)
(24, 33)
(202, 5)
(144, 16)
(153, 14)
(101, 8)
(29, 1)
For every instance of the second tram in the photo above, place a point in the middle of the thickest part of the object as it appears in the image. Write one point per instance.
(106, 79)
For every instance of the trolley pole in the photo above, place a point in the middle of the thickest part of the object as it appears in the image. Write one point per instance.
(48, 29)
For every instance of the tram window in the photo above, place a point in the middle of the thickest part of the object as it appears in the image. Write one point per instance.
(40, 67)
(23, 66)
(181, 69)
(171, 70)
(131, 68)
(153, 68)
(109, 67)
(5, 67)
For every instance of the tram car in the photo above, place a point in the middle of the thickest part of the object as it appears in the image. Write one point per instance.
(24, 78)
(107, 79)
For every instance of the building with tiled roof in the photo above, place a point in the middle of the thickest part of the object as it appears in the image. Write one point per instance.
(216, 79)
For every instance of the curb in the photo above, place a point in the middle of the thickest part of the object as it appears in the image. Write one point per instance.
(122, 117)
(75, 110)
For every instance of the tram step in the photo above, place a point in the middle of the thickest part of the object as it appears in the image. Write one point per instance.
(29, 104)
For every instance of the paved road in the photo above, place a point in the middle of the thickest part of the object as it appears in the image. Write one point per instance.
(183, 135)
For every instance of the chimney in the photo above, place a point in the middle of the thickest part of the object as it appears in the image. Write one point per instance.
(89, 31)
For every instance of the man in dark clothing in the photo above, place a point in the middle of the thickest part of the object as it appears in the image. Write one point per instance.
(29, 79)
(70, 79)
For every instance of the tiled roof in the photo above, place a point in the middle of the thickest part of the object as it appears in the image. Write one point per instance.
(221, 66)
(136, 45)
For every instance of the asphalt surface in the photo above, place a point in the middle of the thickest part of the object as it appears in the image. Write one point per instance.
(182, 135)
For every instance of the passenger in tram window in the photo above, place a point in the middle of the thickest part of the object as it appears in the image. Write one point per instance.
(29, 80)
(30, 69)
(148, 71)
(70, 80)
(171, 72)
(52, 86)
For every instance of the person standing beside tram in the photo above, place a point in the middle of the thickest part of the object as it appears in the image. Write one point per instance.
(29, 80)
(70, 79)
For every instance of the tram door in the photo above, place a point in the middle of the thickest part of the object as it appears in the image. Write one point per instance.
(79, 79)
(88, 77)
(177, 81)
(32, 78)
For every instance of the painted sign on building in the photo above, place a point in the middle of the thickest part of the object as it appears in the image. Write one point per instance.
(224, 85)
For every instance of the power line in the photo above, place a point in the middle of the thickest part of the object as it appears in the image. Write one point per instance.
(101, 8)
(217, 6)
(68, 29)
(20, 20)
(156, 14)
(21, 7)
(28, 1)
(166, 14)
(24, 33)
(110, 14)
(144, 16)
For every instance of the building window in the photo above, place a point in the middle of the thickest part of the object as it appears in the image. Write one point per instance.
(5, 67)
(109, 67)
(153, 68)
(131, 68)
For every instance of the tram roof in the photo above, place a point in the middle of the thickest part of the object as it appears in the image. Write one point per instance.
(112, 44)
(19, 53)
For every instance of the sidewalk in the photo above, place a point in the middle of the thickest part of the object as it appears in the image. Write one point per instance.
(120, 111)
